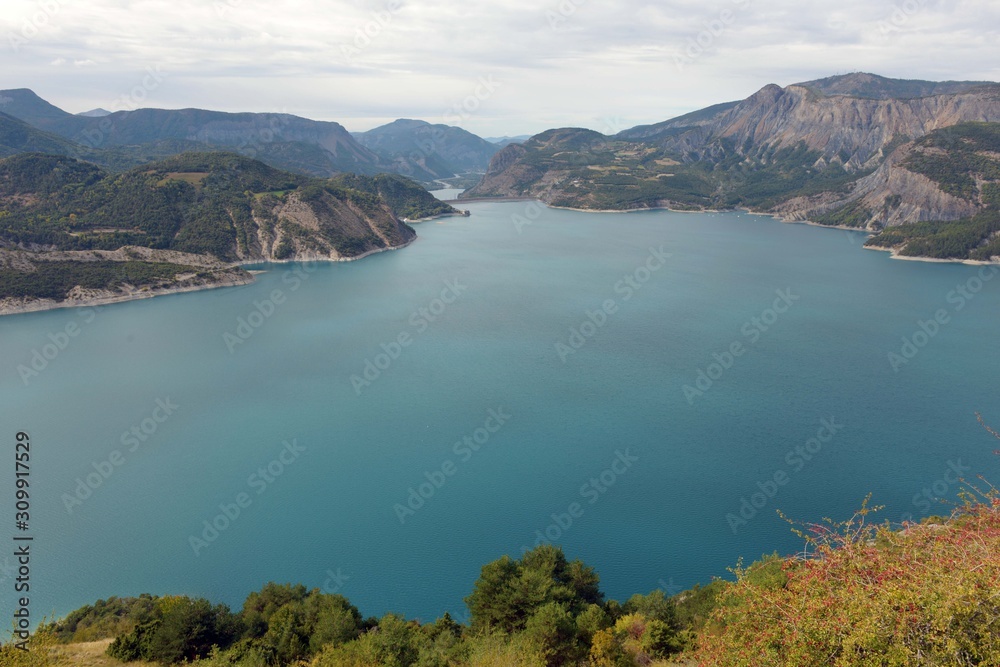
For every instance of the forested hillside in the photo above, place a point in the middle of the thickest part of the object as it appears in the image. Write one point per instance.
(65, 223)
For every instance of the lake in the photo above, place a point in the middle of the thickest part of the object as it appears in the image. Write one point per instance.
(644, 389)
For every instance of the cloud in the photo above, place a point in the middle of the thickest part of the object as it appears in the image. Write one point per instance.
(562, 62)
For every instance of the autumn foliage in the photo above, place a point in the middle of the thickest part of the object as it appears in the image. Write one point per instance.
(927, 594)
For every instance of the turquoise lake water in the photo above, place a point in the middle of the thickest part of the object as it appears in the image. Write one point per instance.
(486, 307)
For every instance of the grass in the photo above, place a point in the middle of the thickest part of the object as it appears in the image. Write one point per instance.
(44, 652)
(89, 654)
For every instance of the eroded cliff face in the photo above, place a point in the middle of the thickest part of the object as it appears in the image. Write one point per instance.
(854, 131)
(871, 133)
(322, 228)
(892, 195)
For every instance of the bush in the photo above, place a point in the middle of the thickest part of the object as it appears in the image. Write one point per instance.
(182, 630)
(872, 595)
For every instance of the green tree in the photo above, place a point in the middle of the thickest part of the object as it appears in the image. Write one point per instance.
(552, 629)
(508, 592)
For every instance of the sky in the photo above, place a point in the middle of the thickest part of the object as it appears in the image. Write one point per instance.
(505, 67)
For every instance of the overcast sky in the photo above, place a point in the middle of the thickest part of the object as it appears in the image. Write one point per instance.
(504, 67)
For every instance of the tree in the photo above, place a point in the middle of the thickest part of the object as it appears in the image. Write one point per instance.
(182, 630)
(260, 606)
(287, 634)
(554, 632)
(508, 592)
(654, 605)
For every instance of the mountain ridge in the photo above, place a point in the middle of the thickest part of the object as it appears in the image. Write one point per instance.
(807, 151)
(428, 151)
(416, 149)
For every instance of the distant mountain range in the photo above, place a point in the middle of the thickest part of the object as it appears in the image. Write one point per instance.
(156, 199)
(428, 152)
(125, 139)
(858, 150)
(506, 141)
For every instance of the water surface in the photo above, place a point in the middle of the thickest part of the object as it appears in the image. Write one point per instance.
(661, 520)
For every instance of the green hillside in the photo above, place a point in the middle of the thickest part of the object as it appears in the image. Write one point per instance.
(221, 207)
(964, 161)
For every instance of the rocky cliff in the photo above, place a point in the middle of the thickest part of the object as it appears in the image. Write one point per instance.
(859, 150)
(854, 131)
(74, 233)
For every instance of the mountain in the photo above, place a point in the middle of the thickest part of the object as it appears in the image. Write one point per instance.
(412, 148)
(29, 107)
(506, 141)
(315, 148)
(69, 225)
(677, 125)
(935, 197)
(428, 152)
(16, 136)
(863, 85)
(832, 151)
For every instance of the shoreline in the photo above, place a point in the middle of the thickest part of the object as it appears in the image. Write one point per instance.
(894, 253)
(633, 210)
(319, 258)
(42, 305)
(435, 217)
(485, 200)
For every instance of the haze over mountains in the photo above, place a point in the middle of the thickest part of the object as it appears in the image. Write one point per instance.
(916, 163)
(413, 148)
(425, 152)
